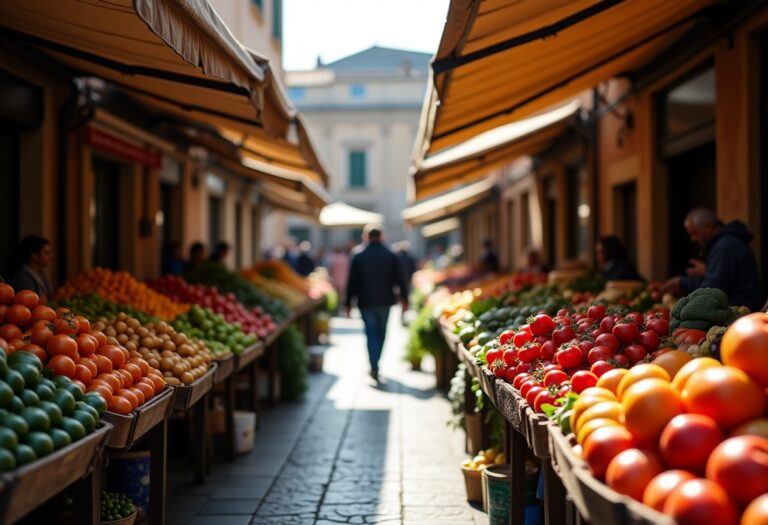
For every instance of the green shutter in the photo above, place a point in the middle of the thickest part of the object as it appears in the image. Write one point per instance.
(277, 19)
(357, 175)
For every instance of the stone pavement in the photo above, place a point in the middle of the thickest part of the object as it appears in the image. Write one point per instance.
(352, 452)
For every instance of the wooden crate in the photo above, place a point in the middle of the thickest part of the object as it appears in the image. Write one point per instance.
(538, 432)
(129, 428)
(488, 382)
(512, 407)
(186, 396)
(25, 488)
(249, 355)
(565, 463)
(224, 368)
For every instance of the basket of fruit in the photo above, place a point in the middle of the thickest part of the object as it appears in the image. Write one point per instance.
(117, 509)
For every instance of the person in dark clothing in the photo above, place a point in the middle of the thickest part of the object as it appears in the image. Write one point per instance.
(728, 264)
(222, 249)
(173, 263)
(374, 273)
(196, 256)
(612, 260)
(406, 261)
(304, 262)
(490, 261)
(33, 258)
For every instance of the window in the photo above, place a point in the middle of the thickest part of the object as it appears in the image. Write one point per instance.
(357, 169)
(214, 221)
(296, 92)
(357, 91)
(690, 105)
(277, 19)
(258, 3)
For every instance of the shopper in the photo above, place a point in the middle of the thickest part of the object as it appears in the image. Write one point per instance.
(612, 260)
(221, 252)
(196, 256)
(374, 274)
(338, 269)
(533, 263)
(173, 263)
(728, 263)
(489, 261)
(304, 262)
(406, 260)
(33, 258)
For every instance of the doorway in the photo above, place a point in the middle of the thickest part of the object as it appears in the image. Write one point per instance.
(625, 216)
(105, 240)
(9, 197)
(692, 184)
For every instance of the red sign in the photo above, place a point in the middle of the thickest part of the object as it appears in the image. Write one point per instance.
(116, 146)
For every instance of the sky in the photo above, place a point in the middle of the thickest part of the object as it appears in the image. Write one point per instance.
(334, 29)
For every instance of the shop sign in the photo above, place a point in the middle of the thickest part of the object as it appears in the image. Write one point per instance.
(107, 143)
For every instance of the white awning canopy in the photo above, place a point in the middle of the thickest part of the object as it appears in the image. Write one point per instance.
(440, 227)
(342, 215)
(449, 203)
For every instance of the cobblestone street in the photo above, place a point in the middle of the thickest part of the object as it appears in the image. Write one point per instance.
(352, 452)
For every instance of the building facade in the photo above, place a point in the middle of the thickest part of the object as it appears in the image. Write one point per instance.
(363, 111)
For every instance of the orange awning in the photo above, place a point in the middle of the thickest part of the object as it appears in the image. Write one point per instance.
(176, 56)
(473, 159)
(503, 60)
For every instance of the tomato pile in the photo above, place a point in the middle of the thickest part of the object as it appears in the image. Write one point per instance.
(68, 346)
(253, 321)
(693, 442)
(550, 356)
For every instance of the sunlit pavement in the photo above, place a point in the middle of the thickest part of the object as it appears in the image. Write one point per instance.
(352, 452)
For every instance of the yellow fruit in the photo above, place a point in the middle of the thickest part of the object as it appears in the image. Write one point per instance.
(590, 426)
(605, 410)
(500, 459)
(638, 373)
(480, 460)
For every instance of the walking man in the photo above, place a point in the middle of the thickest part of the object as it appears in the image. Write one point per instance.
(373, 275)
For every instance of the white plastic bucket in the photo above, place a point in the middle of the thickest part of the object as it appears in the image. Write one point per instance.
(245, 425)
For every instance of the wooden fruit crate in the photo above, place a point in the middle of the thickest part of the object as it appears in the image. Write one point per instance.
(129, 428)
(186, 396)
(25, 488)
(538, 432)
(249, 355)
(512, 407)
(224, 368)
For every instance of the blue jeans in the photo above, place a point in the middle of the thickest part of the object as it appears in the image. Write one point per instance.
(375, 321)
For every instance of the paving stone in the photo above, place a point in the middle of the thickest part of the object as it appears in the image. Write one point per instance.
(303, 519)
(220, 520)
(437, 513)
(359, 512)
(270, 508)
(229, 506)
(239, 493)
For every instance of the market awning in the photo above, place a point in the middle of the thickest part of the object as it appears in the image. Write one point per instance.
(474, 158)
(172, 55)
(342, 215)
(449, 203)
(503, 60)
(440, 227)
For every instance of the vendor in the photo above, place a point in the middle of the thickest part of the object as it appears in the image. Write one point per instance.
(612, 260)
(728, 263)
(34, 257)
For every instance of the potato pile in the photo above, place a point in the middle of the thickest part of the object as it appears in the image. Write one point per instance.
(181, 359)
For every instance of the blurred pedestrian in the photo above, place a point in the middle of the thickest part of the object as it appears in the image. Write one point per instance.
(374, 274)
(196, 256)
(407, 268)
(33, 259)
(338, 269)
(489, 260)
(613, 261)
(173, 262)
(304, 262)
(221, 252)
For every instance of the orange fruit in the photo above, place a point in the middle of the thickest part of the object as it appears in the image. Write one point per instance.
(638, 373)
(689, 368)
(649, 405)
(672, 361)
(611, 379)
(724, 393)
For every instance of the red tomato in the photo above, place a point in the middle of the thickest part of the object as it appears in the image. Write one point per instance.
(19, 315)
(157, 378)
(596, 312)
(509, 357)
(607, 340)
(62, 365)
(66, 325)
(126, 375)
(10, 332)
(631, 470)
(83, 324)
(547, 350)
(555, 377)
(499, 371)
(743, 346)
(103, 363)
(626, 331)
(6, 293)
(582, 380)
(740, 466)
(111, 381)
(660, 326)
(687, 441)
(568, 356)
(562, 335)
(534, 391)
(141, 363)
(119, 405)
(529, 353)
(520, 379)
(62, 345)
(506, 336)
(83, 373)
(42, 312)
(100, 337)
(522, 337)
(37, 350)
(27, 298)
(139, 393)
(599, 353)
(114, 354)
(700, 502)
(543, 397)
(542, 324)
(603, 445)
(40, 335)
(526, 386)
(101, 389)
(635, 317)
(635, 353)
(648, 340)
(86, 344)
(660, 487)
(600, 367)
(90, 364)
(130, 396)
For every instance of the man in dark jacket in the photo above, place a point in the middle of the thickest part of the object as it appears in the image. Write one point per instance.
(373, 274)
(730, 264)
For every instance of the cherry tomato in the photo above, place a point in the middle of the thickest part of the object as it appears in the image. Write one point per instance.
(626, 331)
(582, 380)
(568, 356)
(542, 324)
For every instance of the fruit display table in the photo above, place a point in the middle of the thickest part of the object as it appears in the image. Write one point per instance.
(24, 489)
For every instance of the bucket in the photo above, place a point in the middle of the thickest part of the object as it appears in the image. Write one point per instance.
(473, 484)
(128, 472)
(245, 424)
(495, 492)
